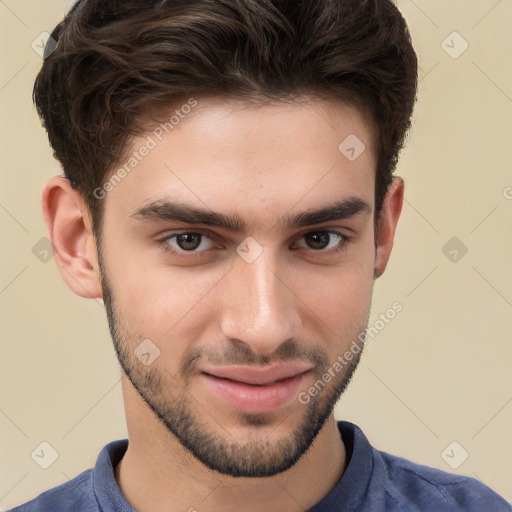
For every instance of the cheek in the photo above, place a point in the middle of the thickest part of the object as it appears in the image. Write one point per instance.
(338, 298)
(151, 297)
(341, 298)
(160, 301)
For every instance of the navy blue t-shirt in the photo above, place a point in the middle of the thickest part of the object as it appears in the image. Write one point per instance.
(373, 481)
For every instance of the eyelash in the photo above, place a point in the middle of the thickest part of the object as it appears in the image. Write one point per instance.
(163, 242)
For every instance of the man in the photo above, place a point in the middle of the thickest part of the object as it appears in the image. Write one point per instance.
(229, 194)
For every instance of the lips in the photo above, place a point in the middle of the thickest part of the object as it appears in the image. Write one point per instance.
(261, 376)
(255, 390)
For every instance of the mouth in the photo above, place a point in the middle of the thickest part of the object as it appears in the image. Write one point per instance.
(264, 375)
(255, 390)
(250, 383)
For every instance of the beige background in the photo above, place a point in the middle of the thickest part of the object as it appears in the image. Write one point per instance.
(438, 373)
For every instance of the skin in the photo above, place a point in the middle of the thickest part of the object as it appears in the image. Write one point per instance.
(295, 302)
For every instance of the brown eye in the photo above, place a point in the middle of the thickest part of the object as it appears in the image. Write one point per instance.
(325, 241)
(189, 241)
(317, 240)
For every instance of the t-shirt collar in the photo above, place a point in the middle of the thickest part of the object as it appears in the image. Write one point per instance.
(348, 494)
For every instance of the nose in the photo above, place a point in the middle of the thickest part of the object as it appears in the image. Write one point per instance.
(259, 306)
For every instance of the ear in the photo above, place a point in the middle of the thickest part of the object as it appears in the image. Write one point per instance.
(390, 213)
(70, 230)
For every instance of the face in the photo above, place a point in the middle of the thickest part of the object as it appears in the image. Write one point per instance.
(230, 282)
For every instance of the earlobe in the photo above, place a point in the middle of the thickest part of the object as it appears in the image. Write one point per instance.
(70, 231)
(391, 209)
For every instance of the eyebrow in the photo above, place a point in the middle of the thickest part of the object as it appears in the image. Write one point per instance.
(166, 210)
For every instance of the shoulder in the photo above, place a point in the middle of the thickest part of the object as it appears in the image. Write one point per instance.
(408, 482)
(379, 481)
(84, 492)
(76, 494)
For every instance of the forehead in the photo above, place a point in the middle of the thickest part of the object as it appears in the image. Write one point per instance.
(233, 156)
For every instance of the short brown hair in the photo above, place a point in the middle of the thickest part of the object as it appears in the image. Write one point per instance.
(116, 60)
